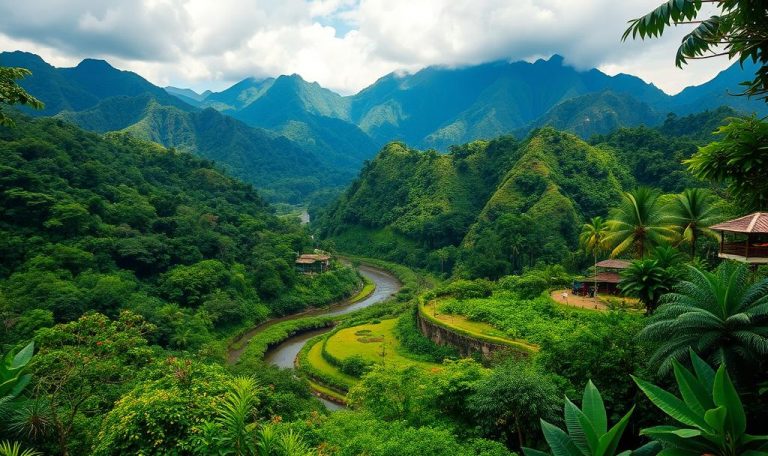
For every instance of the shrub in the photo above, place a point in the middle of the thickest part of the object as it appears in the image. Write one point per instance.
(355, 366)
(466, 289)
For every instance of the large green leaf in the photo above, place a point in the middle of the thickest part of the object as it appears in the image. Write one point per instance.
(580, 431)
(680, 432)
(558, 440)
(649, 449)
(593, 407)
(696, 397)
(610, 440)
(716, 418)
(23, 356)
(677, 452)
(671, 405)
(725, 395)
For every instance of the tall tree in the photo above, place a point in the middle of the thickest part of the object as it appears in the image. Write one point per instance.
(11, 93)
(512, 400)
(739, 160)
(739, 28)
(593, 240)
(692, 212)
(638, 223)
(721, 315)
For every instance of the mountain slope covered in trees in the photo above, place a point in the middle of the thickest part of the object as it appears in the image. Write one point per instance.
(100, 98)
(489, 208)
(115, 223)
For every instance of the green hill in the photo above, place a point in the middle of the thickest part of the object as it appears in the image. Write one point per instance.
(114, 223)
(600, 113)
(489, 208)
(100, 98)
(284, 170)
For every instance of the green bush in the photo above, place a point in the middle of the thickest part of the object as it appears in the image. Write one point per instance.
(355, 366)
(466, 289)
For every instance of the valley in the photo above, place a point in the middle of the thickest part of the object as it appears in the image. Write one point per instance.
(402, 229)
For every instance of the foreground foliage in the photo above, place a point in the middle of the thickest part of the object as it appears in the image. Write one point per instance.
(588, 433)
(711, 412)
(722, 315)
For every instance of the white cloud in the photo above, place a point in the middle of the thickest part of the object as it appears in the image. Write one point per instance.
(342, 44)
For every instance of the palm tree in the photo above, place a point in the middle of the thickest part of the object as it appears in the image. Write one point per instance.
(647, 281)
(720, 315)
(593, 240)
(692, 212)
(638, 223)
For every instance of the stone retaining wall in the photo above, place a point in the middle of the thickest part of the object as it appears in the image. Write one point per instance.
(466, 345)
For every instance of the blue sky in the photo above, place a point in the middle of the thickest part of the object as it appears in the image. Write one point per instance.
(344, 45)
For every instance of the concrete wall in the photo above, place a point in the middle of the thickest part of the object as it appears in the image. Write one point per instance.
(465, 344)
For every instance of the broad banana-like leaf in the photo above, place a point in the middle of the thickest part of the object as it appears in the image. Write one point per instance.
(716, 418)
(576, 430)
(725, 395)
(21, 384)
(23, 356)
(593, 407)
(649, 449)
(697, 446)
(695, 396)
(677, 452)
(704, 372)
(558, 440)
(610, 440)
(680, 432)
(671, 405)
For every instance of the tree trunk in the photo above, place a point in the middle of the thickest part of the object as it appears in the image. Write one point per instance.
(693, 245)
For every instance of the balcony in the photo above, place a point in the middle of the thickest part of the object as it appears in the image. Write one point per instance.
(746, 251)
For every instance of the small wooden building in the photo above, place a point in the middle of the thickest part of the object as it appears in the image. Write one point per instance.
(607, 279)
(744, 239)
(313, 263)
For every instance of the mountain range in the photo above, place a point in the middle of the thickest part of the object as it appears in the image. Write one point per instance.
(439, 107)
(292, 138)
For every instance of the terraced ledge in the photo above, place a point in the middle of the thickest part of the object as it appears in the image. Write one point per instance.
(480, 332)
(368, 288)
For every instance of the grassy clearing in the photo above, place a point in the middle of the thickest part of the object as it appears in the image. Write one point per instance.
(373, 342)
(312, 363)
(368, 288)
(476, 329)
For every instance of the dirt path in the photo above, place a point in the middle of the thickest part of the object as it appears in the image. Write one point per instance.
(583, 302)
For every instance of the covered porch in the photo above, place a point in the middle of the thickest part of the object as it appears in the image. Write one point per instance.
(744, 239)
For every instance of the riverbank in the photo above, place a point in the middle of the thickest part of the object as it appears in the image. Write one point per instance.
(279, 329)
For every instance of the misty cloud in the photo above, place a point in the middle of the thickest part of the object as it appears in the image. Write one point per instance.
(343, 44)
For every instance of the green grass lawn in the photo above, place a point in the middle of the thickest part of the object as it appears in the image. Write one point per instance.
(315, 358)
(472, 328)
(374, 342)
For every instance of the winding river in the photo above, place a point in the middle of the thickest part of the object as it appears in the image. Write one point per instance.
(284, 354)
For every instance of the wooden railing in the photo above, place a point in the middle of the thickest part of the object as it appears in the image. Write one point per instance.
(745, 249)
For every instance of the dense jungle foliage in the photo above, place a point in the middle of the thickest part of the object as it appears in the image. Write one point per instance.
(92, 224)
(490, 208)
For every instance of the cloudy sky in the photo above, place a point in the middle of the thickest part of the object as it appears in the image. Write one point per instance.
(344, 45)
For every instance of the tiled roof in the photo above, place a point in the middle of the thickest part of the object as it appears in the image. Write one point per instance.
(604, 277)
(752, 223)
(614, 264)
(309, 258)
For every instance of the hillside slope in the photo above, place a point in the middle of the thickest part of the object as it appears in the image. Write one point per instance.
(282, 169)
(100, 98)
(423, 207)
